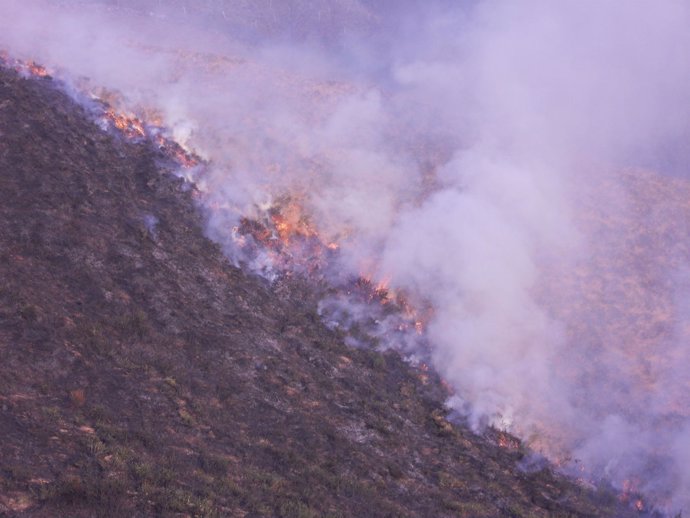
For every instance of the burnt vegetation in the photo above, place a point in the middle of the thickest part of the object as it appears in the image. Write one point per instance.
(143, 375)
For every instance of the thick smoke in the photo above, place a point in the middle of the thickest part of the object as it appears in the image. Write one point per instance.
(484, 158)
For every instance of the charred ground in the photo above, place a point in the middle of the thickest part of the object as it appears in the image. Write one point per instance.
(142, 374)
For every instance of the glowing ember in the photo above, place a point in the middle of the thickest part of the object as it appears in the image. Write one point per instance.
(630, 495)
(507, 441)
(36, 70)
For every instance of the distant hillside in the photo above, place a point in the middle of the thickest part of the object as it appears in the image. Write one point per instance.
(143, 375)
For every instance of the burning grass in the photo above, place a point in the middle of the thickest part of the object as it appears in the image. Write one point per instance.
(107, 109)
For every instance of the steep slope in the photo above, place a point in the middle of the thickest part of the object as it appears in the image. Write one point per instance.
(143, 375)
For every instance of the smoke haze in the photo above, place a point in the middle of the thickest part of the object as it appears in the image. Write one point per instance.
(520, 167)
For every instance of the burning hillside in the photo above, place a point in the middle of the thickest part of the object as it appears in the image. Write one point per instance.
(144, 375)
(502, 202)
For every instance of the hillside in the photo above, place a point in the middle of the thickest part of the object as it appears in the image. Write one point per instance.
(143, 375)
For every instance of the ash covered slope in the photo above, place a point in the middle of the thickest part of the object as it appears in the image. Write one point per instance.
(141, 374)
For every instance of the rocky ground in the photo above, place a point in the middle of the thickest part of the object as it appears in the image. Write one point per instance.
(143, 375)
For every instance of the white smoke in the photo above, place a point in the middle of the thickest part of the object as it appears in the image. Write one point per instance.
(449, 149)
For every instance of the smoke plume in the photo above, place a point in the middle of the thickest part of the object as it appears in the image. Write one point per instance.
(518, 167)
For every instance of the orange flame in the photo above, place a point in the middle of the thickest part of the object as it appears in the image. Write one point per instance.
(36, 70)
(507, 441)
(129, 125)
(24, 67)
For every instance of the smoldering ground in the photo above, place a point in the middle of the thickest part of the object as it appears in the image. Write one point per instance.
(518, 166)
